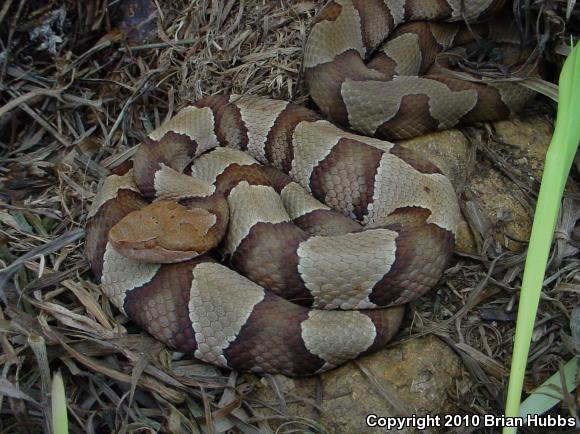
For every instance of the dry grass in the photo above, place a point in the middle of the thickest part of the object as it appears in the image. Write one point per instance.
(75, 100)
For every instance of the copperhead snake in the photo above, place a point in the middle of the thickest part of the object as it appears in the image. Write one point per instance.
(321, 248)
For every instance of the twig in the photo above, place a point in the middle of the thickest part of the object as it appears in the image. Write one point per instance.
(16, 102)
(10, 35)
(158, 45)
(42, 122)
(5, 10)
(45, 249)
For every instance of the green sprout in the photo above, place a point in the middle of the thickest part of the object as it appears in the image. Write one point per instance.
(551, 391)
(559, 158)
(59, 408)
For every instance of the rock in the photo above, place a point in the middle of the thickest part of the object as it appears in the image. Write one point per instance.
(418, 373)
(449, 150)
(530, 138)
(465, 241)
(522, 145)
(500, 205)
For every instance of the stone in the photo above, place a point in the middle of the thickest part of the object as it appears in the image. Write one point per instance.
(419, 374)
(523, 143)
(449, 150)
(530, 138)
(501, 206)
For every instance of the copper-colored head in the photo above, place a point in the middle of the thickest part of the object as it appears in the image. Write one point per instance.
(165, 232)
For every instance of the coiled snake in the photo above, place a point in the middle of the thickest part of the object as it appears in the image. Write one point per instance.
(327, 242)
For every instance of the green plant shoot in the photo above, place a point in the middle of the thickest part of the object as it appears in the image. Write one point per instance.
(557, 166)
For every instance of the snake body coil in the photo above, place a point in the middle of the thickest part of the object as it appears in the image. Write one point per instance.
(331, 238)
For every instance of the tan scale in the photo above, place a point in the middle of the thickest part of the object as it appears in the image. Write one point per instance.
(121, 275)
(352, 264)
(298, 202)
(514, 97)
(196, 123)
(372, 103)
(312, 143)
(430, 191)
(443, 34)
(406, 53)
(264, 206)
(397, 9)
(346, 36)
(217, 310)
(208, 167)
(258, 115)
(171, 185)
(110, 188)
(468, 10)
(329, 335)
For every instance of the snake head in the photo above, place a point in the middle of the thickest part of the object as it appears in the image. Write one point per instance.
(166, 232)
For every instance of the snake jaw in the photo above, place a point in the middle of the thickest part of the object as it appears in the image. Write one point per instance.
(156, 254)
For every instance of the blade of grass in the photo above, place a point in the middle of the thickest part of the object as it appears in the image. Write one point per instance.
(557, 166)
(543, 399)
(59, 409)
